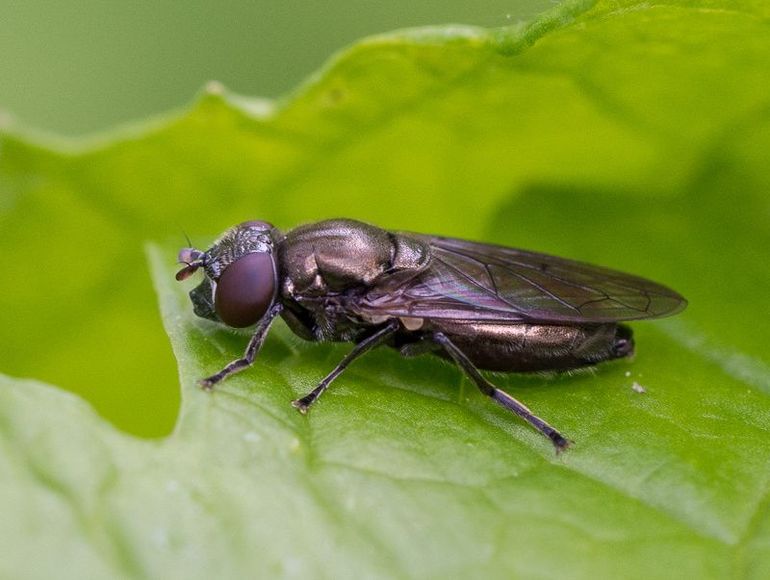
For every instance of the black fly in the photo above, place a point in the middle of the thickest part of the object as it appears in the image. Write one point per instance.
(480, 305)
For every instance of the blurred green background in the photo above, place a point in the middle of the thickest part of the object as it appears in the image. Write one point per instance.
(78, 67)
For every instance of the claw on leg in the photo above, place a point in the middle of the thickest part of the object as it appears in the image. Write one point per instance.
(302, 405)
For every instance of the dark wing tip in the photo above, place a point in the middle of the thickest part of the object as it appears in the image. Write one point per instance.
(667, 305)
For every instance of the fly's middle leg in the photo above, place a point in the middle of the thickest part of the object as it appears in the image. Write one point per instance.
(382, 335)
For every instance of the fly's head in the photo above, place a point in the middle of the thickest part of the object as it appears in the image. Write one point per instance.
(241, 274)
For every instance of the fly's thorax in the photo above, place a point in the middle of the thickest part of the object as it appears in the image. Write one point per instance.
(335, 256)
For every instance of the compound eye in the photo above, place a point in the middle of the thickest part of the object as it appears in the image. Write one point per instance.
(245, 290)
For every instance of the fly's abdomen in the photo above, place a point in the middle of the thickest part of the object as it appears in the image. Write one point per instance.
(537, 347)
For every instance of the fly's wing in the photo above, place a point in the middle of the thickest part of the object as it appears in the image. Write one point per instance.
(474, 281)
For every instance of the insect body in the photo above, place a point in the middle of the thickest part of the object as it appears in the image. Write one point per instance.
(480, 305)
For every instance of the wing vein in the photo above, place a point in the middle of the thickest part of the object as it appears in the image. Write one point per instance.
(550, 274)
(479, 286)
(475, 281)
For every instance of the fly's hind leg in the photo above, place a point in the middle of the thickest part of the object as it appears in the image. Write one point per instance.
(501, 397)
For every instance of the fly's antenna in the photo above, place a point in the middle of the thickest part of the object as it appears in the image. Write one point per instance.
(184, 233)
(190, 257)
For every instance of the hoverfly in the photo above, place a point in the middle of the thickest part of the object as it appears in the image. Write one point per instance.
(480, 305)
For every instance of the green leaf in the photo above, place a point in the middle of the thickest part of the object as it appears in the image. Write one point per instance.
(631, 134)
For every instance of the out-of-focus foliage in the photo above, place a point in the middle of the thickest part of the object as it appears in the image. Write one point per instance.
(77, 66)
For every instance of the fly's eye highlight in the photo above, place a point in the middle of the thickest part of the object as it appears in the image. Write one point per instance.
(245, 290)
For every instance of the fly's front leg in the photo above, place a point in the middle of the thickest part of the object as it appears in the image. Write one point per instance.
(501, 397)
(303, 404)
(255, 343)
